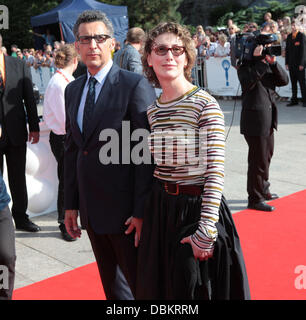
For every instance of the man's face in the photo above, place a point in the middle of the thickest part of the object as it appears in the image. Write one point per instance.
(94, 54)
(294, 27)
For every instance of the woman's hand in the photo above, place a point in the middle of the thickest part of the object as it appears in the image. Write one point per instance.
(201, 254)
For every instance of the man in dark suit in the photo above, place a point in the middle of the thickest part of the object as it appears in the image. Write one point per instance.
(109, 196)
(295, 61)
(258, 79)
(17, 108)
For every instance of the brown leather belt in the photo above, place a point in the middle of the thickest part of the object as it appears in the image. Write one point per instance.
(176, 189)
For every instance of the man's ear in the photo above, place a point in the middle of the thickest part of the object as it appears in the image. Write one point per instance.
(112, 44)
(77, 46)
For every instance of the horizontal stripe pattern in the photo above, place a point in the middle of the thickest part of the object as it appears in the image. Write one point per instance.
(187, 142)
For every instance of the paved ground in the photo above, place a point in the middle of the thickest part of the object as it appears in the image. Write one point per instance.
(45, 254)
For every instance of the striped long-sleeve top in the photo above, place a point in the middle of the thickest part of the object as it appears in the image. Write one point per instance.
(187, 143)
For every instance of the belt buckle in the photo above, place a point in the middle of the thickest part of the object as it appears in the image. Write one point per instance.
(172, 193)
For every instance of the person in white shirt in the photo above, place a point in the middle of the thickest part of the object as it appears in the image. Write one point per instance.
(223, 47)
(66, 60)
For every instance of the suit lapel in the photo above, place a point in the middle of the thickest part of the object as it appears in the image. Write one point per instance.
(75, 103)
(104, 98)
(8, 73)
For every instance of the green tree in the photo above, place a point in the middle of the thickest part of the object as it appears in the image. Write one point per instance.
(20, 13)
(256, 13)
(148, 13)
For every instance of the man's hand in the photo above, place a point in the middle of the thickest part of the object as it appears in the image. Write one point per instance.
(301, 68)
(134, 223)
(71, 223)
(258, 51)
(201, 254)
(33, 137)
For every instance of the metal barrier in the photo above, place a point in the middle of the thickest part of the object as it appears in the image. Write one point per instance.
(198, 73)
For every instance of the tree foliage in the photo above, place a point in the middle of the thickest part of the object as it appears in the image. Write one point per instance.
(256, 13)
(148, 13)
(20, 13)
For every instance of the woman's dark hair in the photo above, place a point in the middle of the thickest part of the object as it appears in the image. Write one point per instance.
(184, 35)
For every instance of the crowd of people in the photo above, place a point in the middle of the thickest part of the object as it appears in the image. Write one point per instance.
(209, 42)
(220, 43)
(172, 229)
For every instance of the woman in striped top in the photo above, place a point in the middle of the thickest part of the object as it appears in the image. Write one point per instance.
(188, 234)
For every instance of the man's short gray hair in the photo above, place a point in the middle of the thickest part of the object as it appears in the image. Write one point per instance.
(93, 16)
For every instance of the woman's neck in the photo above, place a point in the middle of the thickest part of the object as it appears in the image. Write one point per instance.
(174, 89)
(69, 69)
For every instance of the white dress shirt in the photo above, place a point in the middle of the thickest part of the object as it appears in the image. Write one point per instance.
(100, 77)
(223, 51)
(54, 102)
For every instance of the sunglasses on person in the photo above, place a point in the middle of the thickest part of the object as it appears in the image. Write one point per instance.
(162, 50)
(252, 27)
(99, 38)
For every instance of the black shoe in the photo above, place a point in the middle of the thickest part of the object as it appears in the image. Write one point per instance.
(261, 206)
(291, 104)
(271, 196)
(304, 104)
(65, 235)
(27, 225)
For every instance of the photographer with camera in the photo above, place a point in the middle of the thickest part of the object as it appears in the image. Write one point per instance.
(259, 74)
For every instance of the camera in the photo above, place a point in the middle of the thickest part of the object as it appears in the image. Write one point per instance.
(247, 42)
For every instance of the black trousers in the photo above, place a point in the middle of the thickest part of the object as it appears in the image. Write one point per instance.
(116, 258)
(57, 148)
(16, 165)
(259, 157)
(297, 76)
(7, 254)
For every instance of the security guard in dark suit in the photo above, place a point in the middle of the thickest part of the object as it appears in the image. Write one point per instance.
(295, 61)
(258, 79)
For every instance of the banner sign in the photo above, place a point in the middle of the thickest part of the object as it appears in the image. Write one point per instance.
(222, 79)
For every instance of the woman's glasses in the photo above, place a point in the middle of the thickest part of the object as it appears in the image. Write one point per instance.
(162, 50)
(99, 38)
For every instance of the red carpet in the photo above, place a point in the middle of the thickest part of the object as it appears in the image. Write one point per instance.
(79, 284)
(273, 245)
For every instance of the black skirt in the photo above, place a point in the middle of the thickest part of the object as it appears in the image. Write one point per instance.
(168, 270)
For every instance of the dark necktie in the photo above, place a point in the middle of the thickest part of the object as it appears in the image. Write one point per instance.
(89, 104)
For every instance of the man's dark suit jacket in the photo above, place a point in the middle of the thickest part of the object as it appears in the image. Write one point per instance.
(296, 50)
(106, 195)
(18, 102)
(258, 81)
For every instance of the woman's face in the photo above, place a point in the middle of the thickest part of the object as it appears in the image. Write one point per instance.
(170, 65)
(222, 42)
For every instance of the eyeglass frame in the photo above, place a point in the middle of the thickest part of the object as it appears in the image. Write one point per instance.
(155, 46)
(105, 38)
